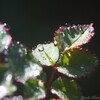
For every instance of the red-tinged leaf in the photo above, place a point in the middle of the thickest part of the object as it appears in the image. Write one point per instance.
(72, 36)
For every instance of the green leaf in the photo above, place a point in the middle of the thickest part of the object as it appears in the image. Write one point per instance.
(72, 36)
(5, 38)
(66, 89)
(20, 63)
(34, 90)
(77, 62)
(46, 54)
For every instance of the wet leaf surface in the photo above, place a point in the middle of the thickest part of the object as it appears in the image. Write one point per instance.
(46, 54)
(72, 36)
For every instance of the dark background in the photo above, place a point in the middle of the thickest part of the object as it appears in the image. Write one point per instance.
(34, 21)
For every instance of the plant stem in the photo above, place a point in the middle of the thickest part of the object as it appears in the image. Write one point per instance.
(51, 79)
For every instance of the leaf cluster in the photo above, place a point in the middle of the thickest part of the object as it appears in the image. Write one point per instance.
(49, 70)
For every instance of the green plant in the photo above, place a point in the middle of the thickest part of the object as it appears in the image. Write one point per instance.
(49, 70)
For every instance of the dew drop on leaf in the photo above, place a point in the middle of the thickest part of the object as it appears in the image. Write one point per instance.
(46, 54)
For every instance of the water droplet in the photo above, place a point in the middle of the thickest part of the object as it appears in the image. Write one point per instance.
(6, 27)
(9, 77)
(75, 75)
(72, 80)
(69, 54)
(21, 45)
(80, 29)
(61, 27)
(5, 52)
(40, 83)
(48, 41)
(18, 42)
(67, 25)
(82, 67)
(41, 49)
(55, 43)
(45, 42)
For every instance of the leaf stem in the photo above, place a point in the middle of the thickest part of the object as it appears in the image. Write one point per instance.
(51, 79)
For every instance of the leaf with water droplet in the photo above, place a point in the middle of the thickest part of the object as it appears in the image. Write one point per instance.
(72, 36)
(77, 62)
(22, 66)
(66, 89)
(34, 90)
(46, 54)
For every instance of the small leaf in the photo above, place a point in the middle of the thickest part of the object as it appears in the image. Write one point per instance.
(46, 54)
(72, 36)
(34, 90)
(66, 89)
(77, 62)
